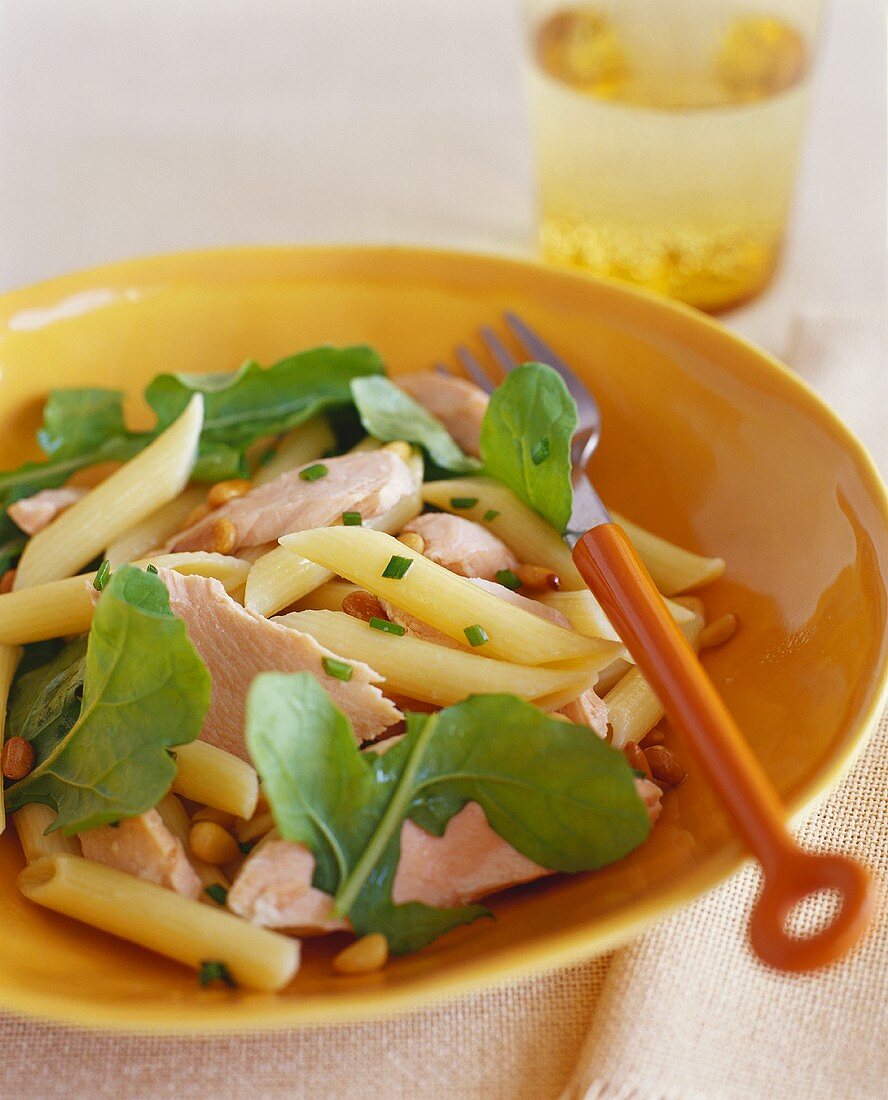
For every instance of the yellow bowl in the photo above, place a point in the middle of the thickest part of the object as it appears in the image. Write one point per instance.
(706, 440)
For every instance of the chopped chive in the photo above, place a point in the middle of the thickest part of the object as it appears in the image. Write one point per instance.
(314, 473)
(490, 514)
(217, 892)
(476, 635)
(386, 627)
(102, 576)
(352, 519)
(397, 567)
(463, 502)
(507, 578)
(247, 846)
(539, 452)
(149, 568)
(266, 457)
(214, 970)
(339, 670)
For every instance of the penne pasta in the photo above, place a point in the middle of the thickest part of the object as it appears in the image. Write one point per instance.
(141, 486)
(282, 577)
(432, 673)
(672, 568)
(161, 920)
(310, 440)
(524, 531)
(31, 823)
(63, 607)
(587, 617)
(328, 597)
(175, 818)
(9, 659)
(443, 599)
(633, 708)
(216, 778)
(255, 828)
(154, 530)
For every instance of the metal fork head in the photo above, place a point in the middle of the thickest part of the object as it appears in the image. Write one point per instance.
(589, 427)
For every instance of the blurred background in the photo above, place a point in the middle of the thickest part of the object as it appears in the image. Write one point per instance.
(129, 127)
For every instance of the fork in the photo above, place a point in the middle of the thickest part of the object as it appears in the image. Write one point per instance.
(622, 585)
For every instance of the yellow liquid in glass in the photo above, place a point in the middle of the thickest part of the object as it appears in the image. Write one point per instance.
(668, 160)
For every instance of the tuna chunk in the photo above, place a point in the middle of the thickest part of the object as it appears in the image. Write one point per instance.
(273, 888)
(369, 482)
(588, 710)
(145, 847)
(458, 404)
(237, 644)
(651, 795)
(462, 546)
(34, 513)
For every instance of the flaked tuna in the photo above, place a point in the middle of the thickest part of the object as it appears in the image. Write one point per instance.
(34, 513)
(459, 405)
(588, 710)
(145, 847)
(369, 482)
(462, 546)
(237, 644)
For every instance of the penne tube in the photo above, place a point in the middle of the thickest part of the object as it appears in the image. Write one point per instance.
(255, 828)
(633, 708)
(310, 440)
(57, 608)
(328, 597)
(443, 599)
(154, 530)
(587, 617)
(9, 659)
(672, 569)
(161, 920)
(214, 777)
(610, 676)
(141, 486)
(175, 818)
(31, 823)
(433, 673)
(524, 531)
(282, 577)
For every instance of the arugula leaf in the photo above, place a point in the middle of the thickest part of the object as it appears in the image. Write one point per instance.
(388, 413)
(556, 793)
(145, 690)
(44, 703)
(526, 437)
(77, 421)
(255, 401)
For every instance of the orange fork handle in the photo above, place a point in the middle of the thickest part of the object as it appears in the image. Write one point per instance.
(623, 587)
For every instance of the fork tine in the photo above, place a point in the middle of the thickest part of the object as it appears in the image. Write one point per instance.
(537, 347)
(505, 359)
(474, 369)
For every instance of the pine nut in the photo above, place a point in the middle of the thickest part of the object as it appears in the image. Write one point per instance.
(18, 758)
(637, 758)
(213, 844)
(223, 491)
(654, 737)
(719, 631)
(364, 955)
(399, 447)
(7, 581)
(664, 765)
(412, 540)
(363, 605)
(536, 576)
(219, 536)
(210, 813)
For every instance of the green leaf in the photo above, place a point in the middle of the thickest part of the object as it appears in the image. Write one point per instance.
(77, 421)
(388, 413)
(44, 703)
(145, 690)
(255, 401)
(526, 437)
(556, 793)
